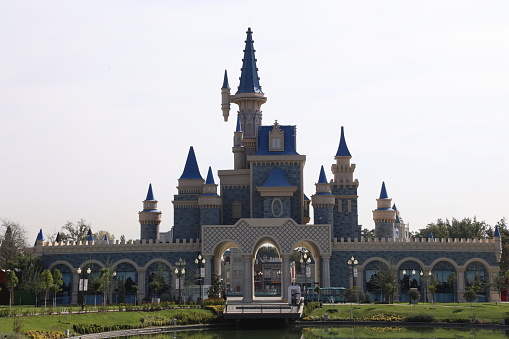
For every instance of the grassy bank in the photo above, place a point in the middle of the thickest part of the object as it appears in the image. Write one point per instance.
(483, 312)
(62, 322)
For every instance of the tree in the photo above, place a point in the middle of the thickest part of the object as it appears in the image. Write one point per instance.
(432, 287)
(46, 282)
(351, 296)
(386, 281)
(14, 241)
(58, 281)
(414, 295)
(74, 231)
(454, 228)
(135, 289)
(269, 251)
(11, 281)
(105, 278)
(214, 291)
(157, 281)
(451, 281)
(99, 235)
(499, 283)
(368, 234)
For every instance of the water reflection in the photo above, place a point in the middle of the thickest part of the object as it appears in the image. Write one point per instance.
(356, 332)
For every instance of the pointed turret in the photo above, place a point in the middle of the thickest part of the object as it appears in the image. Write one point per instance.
(383, 192)
(191, 170)
(149, 217)
(384, 216)
(496, 233)
(90, 236)
(249, 80)
(342, 169)
(105, 239)
(343, 148)
(210, 202)
(323, 201)
(249, 97)
(225, 97)
(322, 187)
(40, 235)
(58, 238)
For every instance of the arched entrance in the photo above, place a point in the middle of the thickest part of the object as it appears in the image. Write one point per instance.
(250, 234)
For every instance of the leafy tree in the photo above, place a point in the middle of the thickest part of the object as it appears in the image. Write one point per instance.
(121, 289)
(432, 284)
(214, 291)
(46, 282)
(504, 234)
(134, 289)
(386, 281)
(157, 281)
(499, 282)
(451, 281)
(106, 283)
(368, 234)
(58, 281)
(95, 285)
(74, 231)
(11, 281)
(269, 251)
(351, 296)
(414, 295)
(466, 228)
(14, 241)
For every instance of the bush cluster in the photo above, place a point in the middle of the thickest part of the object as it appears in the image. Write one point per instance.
(421, 318)
(44, 334)
(214, 302)
(93, 328)
(382, 317)
(217, 309)
(308, 309)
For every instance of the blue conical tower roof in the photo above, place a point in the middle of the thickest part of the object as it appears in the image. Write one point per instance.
(239, 126)
(150, 194)
(225, 80)
(249, 80)
(90, 236)
(497, 232)
(40, 236)
(430, 235)
(210, 177)
(322, 179)
(343, 148)
(191, 170)
(105, 240)
(383, 192)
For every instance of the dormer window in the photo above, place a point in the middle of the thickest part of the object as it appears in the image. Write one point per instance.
(276, 139)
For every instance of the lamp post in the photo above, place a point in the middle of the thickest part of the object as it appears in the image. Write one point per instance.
(200, 262)
(424, 280)
(260, 280)
(278, 273)
(352, 262)
(180, 271)
(83, 285)
(306, 261)
(113, 275)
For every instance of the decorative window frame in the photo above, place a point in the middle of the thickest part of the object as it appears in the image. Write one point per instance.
(276, 139)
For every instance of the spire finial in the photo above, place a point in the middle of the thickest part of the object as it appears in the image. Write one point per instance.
(150, 194)
(225, 80)
(322, 179)
(249, 80)
(383, 192)
(191, 170)
(343, 148)
(210, 177)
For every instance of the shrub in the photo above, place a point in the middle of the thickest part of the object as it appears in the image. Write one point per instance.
(214, 302)
(17, 325)
(308, 309)
(421, 318)
(44, 334)
(366, 299)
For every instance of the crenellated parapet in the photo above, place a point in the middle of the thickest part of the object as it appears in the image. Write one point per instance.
(144, 245)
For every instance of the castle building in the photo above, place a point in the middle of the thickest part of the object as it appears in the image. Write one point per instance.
(262, 201)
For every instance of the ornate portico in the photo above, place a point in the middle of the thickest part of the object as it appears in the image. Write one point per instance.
(283, 233)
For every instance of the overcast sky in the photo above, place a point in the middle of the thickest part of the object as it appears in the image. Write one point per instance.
(100, 98)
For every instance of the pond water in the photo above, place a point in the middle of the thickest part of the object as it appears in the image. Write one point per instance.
(315, 332)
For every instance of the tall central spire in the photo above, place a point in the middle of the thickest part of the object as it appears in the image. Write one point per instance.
(249, 80)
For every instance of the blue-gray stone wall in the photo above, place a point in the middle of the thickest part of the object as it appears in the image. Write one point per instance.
(282, 210)
(230, 194)
(210, 216)
(323, 215)
(149, 231)
(384, 229)
(186, 219)
(346, 223)
(292, 173)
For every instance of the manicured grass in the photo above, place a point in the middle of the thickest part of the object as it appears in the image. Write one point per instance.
(483, 312)
(61, 322)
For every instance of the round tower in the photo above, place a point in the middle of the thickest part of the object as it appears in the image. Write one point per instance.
(150, 217)
(323, 201)
(384, 216)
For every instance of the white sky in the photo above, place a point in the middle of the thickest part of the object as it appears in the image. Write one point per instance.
(100, 98)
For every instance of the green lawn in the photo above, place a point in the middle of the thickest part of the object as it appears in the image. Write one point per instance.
(62, 322)
(483, 312)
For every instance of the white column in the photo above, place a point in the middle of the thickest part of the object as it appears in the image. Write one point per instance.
(248, 280)
(325, 272)
(285, 277)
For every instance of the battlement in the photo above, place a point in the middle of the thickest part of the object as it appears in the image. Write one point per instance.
(418, 244)
(144, 245)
